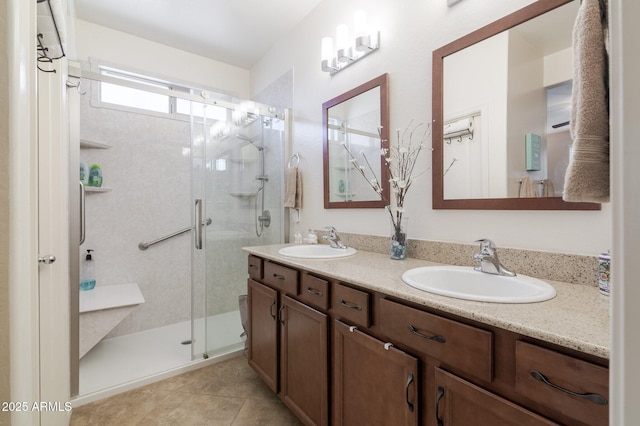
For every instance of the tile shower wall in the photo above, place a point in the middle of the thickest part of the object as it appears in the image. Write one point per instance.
(147, 169)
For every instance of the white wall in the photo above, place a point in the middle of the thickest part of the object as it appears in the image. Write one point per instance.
(625, 151)
(159, 60)
(4, 217)
(410, 31)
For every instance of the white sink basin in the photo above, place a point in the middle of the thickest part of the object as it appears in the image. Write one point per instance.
(465, 283)
(316, 251)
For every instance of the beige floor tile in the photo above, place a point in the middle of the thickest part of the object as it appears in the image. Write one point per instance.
(226, 393)
(182, 408)
(260, 412)
(125, 408)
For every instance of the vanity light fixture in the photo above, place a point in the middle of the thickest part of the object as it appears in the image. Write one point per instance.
(348, 49)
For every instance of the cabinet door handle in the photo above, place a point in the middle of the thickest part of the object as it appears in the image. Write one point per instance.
(280, 314)
(593, 397)
(314, 292)
(438, 398)
(271, 311)
(278, 276)
(350, 305)
(406, 394)
(439, 339)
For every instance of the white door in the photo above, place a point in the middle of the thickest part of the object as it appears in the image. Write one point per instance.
(53, 246)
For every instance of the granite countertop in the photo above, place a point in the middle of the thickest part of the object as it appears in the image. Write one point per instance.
(577, 318)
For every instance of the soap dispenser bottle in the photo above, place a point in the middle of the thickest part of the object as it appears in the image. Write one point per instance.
(88, 272)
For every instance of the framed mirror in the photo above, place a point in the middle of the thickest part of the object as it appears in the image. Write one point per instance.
(501, 107)
(356, 122)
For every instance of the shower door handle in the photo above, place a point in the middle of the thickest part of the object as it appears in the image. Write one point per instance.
(199, 224)
(83, 221)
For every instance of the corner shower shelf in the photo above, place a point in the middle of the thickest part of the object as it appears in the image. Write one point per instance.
(96, 189)
(85, 143)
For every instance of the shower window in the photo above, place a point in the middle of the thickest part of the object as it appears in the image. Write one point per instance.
(134, 98)
(152, 96)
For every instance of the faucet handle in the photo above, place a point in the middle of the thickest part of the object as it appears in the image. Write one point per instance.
(331, 229)
(486, 245)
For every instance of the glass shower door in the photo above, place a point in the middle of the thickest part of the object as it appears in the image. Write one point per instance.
(237, 183)
(199, 124)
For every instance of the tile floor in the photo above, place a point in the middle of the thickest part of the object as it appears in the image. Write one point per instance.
(227, 393)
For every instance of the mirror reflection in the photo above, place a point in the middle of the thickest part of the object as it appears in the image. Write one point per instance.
(353, 121)
(501, 97)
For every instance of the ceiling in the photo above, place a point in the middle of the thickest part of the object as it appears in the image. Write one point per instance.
(237, 32)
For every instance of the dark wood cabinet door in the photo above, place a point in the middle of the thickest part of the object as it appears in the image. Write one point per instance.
(460, 403)
(303, 365)
(263, 332)
(374, 383)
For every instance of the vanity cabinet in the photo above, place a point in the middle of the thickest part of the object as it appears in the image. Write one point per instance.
(397, 362)
(263, 335)
(460, 403)
(373, 382)
(288, 339)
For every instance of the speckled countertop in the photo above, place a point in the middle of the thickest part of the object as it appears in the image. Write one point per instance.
(577, 318)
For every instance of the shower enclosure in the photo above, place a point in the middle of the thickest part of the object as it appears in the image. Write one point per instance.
(238, 182)
(209, 164)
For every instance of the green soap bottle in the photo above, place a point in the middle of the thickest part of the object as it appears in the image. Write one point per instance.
(95, 175)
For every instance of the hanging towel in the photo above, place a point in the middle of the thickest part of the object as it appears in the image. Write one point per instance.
(527, 188)
(587, 177)
(548, 190)
(293, 188)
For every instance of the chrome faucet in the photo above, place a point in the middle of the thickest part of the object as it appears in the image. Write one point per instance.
(488, 259)
(334, 240)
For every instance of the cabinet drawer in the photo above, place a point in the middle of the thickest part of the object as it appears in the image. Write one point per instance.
(255, 268)
(281, 277)
(458, 346)
(351, 304)
(314, 291)
(576, 388)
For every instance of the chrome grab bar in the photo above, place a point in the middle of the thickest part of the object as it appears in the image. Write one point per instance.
(144, 246)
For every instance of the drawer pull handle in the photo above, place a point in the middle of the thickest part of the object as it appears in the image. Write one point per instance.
(593, 397)
(439, 339)
(278, 276)
(438, 398)
(253, 267)
(409, 381)
(350, 305)
(315, 292)
(271, 311)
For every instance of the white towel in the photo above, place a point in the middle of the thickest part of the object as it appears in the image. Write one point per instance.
(293, 188)
(527, 188)
(548, 189)
(587, 177)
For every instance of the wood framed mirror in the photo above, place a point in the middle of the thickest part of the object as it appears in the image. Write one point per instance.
(500, 96)
(359, 121)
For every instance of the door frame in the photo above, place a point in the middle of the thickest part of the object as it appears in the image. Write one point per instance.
(38, 220)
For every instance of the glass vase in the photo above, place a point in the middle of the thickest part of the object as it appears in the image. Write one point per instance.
(399, 241)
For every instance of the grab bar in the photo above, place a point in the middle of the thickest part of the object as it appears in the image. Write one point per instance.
(144, 246)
